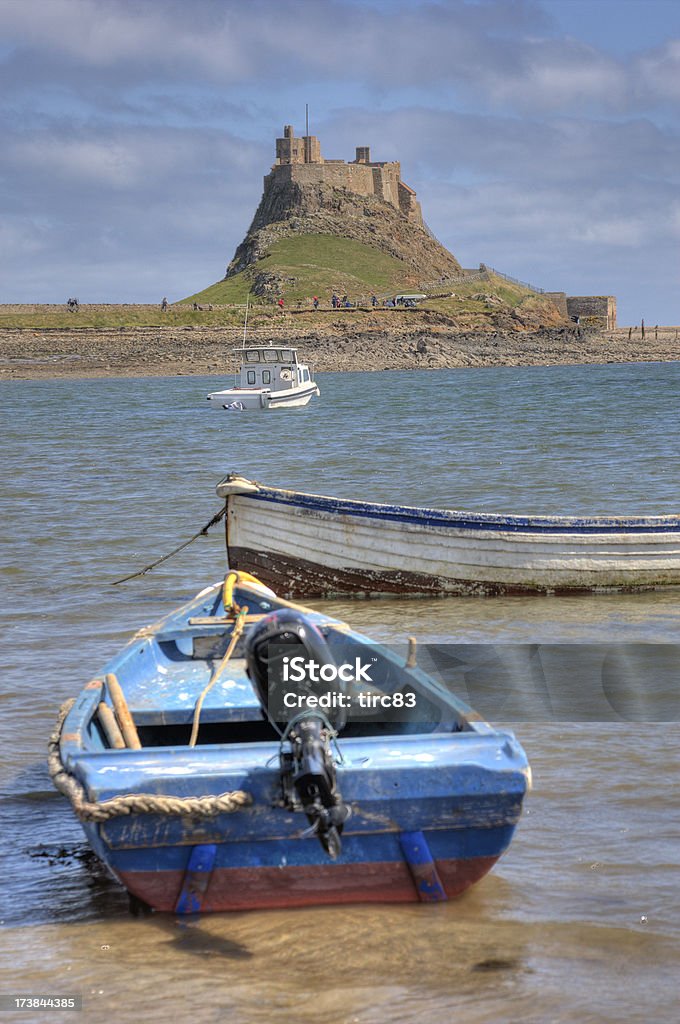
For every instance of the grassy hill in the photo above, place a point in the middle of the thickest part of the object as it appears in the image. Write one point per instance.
(305, 265)
(301, 266)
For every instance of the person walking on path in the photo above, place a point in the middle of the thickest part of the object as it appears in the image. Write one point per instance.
(315, 300)
(280, 304)
(374, 301)
(164, 304)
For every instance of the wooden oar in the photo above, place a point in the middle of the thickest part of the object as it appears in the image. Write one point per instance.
(127, 726)
(109, 724)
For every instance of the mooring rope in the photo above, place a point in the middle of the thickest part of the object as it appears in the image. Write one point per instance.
(201, 533)
(136, 803)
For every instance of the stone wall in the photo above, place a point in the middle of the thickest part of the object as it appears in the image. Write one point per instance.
(560, 300)
(593, 310)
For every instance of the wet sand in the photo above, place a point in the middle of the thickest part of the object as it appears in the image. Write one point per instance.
(407, 342)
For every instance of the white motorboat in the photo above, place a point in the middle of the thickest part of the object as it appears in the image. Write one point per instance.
(270, 377)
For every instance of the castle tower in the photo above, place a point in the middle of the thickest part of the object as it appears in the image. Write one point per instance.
(290, 150)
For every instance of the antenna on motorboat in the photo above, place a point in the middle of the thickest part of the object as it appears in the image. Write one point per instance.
(245, 323)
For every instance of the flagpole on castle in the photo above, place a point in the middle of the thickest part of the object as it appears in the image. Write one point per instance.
(308, 145)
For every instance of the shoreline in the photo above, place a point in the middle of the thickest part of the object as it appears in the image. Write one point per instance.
(413, 344)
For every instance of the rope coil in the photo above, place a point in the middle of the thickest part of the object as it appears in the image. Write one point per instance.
(136, 803)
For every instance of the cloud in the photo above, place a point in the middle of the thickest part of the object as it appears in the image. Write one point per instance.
(141, 202)
(657, 72)
(508, 55)
(135, 135)
(445, 144)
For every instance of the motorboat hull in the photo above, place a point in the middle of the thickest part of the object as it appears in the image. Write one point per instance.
(242, 400)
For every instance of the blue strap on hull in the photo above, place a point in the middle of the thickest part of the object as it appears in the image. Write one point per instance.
(422, 867)
(196, 879)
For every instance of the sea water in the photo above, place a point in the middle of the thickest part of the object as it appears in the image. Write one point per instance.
(578, 921)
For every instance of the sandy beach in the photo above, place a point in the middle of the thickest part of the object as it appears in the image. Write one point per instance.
(362, 342)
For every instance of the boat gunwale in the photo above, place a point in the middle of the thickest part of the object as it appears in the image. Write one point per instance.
(175, 625)
(428, 516)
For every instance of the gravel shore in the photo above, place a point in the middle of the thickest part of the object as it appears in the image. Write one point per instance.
(410, 343)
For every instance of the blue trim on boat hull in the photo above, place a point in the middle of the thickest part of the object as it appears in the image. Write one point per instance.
(297, 873)
(444, 519)
(376, 847)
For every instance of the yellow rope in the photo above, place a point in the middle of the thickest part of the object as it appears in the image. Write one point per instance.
(235, 634)
(230, 581)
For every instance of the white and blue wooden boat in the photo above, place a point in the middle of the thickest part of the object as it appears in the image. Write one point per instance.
(316, 545)
(406, 807)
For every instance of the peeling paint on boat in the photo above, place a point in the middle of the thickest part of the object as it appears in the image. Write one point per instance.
(329, 547)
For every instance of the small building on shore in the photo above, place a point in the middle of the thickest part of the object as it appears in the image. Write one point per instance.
(593, 310)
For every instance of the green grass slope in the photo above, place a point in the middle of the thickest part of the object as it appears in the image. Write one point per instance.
(317, 265)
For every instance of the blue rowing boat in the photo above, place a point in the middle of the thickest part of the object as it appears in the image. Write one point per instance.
(245, 752)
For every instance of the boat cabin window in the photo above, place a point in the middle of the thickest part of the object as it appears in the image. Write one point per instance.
(266, 376)
(305, 374)
(252, 355)
(286, 355)
(251, 376)
(272, 355)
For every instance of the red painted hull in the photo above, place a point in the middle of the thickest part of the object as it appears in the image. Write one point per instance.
(271, 888)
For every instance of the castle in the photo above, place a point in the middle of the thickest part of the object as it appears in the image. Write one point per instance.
(298, 198)
(299, 161)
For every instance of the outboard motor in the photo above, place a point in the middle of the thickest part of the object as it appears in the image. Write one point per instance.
(308, 777)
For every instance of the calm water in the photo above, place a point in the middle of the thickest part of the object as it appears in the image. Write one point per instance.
(578, 922)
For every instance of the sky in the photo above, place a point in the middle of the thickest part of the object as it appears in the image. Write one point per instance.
(542, 136)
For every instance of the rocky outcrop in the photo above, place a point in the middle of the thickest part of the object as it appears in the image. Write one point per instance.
(289, 208)
(400, 345)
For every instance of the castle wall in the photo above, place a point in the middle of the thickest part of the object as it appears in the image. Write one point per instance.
(381, 181)
(300, 160)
